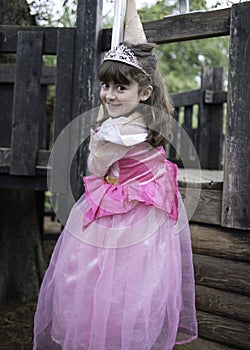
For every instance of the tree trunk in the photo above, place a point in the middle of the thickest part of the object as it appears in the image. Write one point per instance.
(21, 256)
(16, 12)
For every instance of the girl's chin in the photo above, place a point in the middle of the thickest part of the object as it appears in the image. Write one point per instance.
(113, 115)
(116, 114)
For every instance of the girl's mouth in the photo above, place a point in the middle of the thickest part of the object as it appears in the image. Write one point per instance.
(112, 106)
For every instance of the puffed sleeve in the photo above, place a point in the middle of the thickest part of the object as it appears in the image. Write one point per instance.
(103, 154)
(112, 142)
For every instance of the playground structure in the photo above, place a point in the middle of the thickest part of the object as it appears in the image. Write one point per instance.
(220, 226)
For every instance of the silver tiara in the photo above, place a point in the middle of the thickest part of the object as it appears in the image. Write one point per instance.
(124, 54)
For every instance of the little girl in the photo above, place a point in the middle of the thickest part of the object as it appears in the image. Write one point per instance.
(121, 274)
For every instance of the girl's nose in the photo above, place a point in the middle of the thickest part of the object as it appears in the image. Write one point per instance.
(110, 94)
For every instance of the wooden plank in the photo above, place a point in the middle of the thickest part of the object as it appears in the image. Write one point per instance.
(43, 128)
(210, 121)
(36, 183)
(5, 157)
(224, 330)
(220, 242)
(48, 75)
(215, 97)
(6, 93)
(189, 26)
(204, 344)
(87, 57)
(218, 302)
(26, 110)
(7, 74)
(228, 275)
(205, 185)
(9, 38)
(186, 98)
(62, 111)
(208, 208)
(86, 61)
(42, 158)
(171, 151)
(64, 77)
(209, 179)
(188, 113)
(187, 150)
(236, 190)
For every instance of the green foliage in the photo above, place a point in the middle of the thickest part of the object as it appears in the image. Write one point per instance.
(47, 14)
(181, 63)
(157, 11)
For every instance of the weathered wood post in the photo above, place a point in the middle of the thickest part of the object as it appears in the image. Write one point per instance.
(87, 55)
(27, 99)
(85, 83)
(236, 188)
(210, 119)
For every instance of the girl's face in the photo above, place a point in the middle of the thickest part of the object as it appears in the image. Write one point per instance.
(120, 99)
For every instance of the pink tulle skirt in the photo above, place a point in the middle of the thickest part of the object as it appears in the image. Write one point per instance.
(137, 295)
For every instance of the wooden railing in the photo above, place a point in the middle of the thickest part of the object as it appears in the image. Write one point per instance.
(207, 135)
(36, 128)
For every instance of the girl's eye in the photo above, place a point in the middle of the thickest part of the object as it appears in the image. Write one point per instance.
(121, 88)
(104, 86)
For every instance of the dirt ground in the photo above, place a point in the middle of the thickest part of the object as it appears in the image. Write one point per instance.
(16, 323)
(16, 320)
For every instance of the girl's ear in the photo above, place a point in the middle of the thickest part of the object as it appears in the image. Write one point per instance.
(146, 93)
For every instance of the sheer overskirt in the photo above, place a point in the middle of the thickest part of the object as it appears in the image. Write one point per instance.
(121, 275)
(136, 297)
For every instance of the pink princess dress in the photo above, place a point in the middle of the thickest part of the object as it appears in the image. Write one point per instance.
(121, 274)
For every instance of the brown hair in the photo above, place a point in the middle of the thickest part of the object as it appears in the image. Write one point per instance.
(157, 117)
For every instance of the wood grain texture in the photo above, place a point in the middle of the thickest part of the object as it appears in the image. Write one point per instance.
(85, 95)
(189, 26)
(9, 38)
(7, 74)
(27, 111)
(200, 178)
(208, 208)
(204, 344)
(62, 110)
(236, 190)
(210, 121)
(186, 98)
(231, 332)
(42, 158)
(6, 108)
(218, 302)
(220, 242)
(224, 274)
